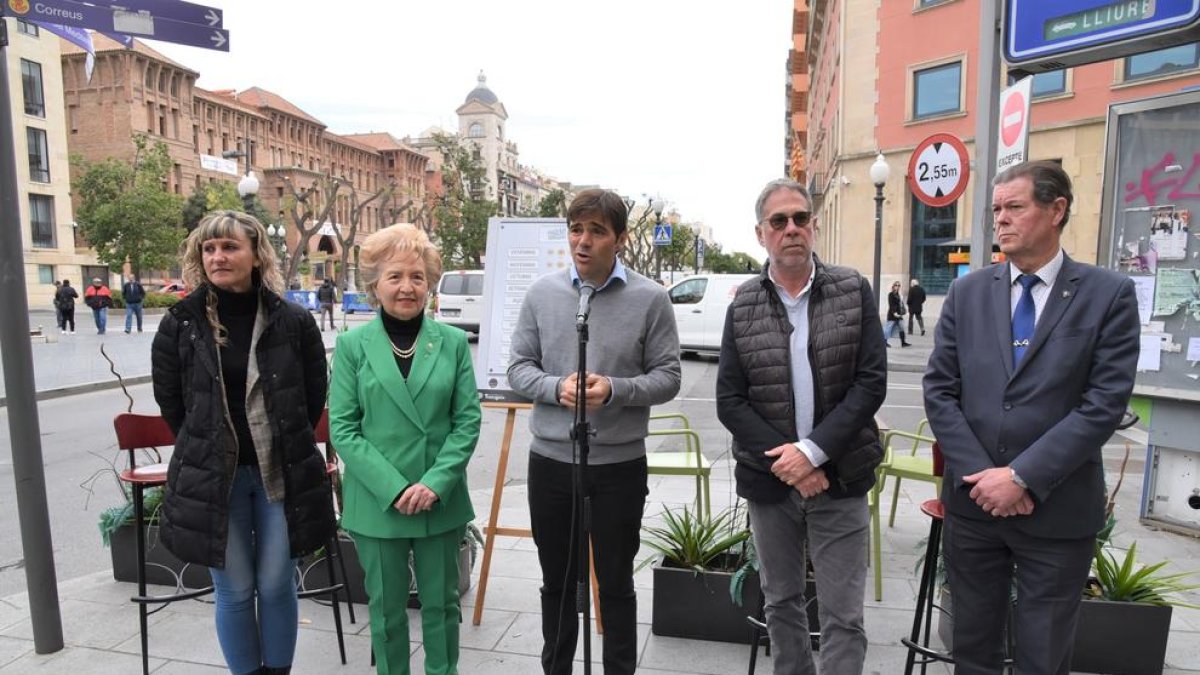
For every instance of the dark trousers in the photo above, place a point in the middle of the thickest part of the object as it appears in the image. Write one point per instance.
(327, 310)
(618, 493)
(1050, 575)
(915, 314)
(68, 318)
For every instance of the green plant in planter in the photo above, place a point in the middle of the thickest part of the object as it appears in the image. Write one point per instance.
(1123, 582)
(114, 517)
(697, 541)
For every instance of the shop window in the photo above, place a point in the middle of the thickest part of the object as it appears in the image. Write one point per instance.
(932, 228)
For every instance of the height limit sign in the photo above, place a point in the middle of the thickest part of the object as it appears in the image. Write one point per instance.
(1013, 145)
(939, 169)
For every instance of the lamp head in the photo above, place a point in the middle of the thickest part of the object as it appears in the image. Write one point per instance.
(248, 185)
(657, 205)
(880, 171)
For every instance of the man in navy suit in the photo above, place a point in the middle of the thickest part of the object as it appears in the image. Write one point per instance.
(1032, 368)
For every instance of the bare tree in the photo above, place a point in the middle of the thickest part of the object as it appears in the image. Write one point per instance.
(357, 208)
(638, 253)
(315, 203)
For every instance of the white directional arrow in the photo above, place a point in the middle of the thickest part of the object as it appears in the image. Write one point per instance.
(218, 40)
(213, 18)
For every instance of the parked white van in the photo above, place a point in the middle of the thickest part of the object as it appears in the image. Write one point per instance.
(700, 302)
(460, 299)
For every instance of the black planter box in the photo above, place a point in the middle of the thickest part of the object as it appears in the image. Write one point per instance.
(697, 606)
(1121, 638)
(162, 567)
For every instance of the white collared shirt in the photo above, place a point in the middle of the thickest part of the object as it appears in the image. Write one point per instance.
(1040, 292)
(802, 380)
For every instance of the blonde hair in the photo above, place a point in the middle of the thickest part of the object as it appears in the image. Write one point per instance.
(391, 242)
(224, 225)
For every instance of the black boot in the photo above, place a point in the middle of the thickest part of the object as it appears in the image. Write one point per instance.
(903, 342)
(276, 671)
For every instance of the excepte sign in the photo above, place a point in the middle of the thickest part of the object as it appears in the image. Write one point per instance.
(1013, 146)
(939, 169)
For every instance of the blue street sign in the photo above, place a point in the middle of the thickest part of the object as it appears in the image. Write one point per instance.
(176, 10)
(1040, 35)
(662, 234)
(108, 20)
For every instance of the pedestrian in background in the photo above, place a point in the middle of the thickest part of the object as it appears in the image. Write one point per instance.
(404, 415)
(326, 296)
(1032, 368)
(634, 364)
(65, 301)
(895, 317)
(799, 381)
(57, 308)
(240, 377)
(99, 298)
(916, 304)
(133, 294)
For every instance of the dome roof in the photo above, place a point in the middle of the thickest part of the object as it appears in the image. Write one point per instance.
(481, 92)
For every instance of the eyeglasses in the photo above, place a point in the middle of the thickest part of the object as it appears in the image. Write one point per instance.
(779, 221)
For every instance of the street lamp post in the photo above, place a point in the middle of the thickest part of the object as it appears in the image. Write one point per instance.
(247, 187)
(657, 205)
(278, 236)
(879, 176)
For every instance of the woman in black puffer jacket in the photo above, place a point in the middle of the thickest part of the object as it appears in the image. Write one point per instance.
(240, 377)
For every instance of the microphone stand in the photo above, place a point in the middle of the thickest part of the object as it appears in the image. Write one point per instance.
(581, 433)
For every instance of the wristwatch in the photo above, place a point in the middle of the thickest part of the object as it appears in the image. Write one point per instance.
(1017, 479)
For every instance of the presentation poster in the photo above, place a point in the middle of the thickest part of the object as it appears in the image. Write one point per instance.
(519, 250)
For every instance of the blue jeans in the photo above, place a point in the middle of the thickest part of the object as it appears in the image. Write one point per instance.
(133, 309)
(101, 317)
(256, 606)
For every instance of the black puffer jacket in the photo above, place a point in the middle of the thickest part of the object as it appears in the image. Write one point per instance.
(189, 390)
(755, 400)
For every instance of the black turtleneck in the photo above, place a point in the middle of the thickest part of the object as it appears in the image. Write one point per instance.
(237, 312)
(402, 333)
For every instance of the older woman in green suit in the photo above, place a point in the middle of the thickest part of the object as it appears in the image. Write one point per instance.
(404, 415)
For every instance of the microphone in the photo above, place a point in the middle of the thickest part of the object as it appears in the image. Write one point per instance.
(586, 289)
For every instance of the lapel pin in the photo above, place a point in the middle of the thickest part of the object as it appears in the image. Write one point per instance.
(1066, 294)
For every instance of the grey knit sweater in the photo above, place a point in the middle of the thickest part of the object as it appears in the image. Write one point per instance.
(632, 341)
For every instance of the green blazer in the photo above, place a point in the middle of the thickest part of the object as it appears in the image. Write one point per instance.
(392, 432)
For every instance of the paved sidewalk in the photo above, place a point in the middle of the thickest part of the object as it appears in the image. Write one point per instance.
(72, 364)
(100, 624)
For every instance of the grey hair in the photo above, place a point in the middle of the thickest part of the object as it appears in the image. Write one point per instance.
(771, 188)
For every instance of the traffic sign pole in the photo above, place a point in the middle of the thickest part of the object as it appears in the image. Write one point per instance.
(33, 515)
(986, 102)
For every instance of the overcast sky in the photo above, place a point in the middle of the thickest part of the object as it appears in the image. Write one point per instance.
(661, 97)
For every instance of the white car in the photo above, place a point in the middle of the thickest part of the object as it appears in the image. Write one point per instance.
(460, 299)
(700, 302)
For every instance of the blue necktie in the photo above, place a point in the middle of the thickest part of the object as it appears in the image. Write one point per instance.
(1023, 318)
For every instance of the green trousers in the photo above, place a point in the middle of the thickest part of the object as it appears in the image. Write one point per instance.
(385, 564)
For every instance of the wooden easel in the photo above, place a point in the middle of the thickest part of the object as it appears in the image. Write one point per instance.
(492, 529)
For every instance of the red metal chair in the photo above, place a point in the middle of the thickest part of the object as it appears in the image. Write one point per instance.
(140, 432)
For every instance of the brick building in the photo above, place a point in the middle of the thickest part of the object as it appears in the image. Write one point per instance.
(140, 91)
(883, 75)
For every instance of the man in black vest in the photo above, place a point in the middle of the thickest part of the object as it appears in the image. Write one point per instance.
(804, 434)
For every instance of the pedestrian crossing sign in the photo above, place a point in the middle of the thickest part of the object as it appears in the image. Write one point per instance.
(662, 235)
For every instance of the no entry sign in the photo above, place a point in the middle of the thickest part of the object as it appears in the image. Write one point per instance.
(1014, 124)
(939, 169)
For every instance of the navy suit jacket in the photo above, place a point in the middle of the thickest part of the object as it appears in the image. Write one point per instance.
(1048, 418)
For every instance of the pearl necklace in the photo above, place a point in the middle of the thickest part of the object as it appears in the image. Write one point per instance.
(404, 353)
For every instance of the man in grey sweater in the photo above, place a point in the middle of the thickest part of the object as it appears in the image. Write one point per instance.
(633, 363)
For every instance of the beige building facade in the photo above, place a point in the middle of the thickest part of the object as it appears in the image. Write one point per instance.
(43, 166)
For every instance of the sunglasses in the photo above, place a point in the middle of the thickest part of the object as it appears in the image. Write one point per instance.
(779, 221)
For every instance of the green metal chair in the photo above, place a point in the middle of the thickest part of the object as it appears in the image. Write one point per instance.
(912, 465)
(873, 546)
(687, 462)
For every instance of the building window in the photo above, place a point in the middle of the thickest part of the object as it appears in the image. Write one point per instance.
(45, 274)
(1162, 62)
(1045, 84)
(931, 229)
(475, 131)
(31, 83)
(39, 155)
(41, 220)
(26, 28)
(937, 90)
